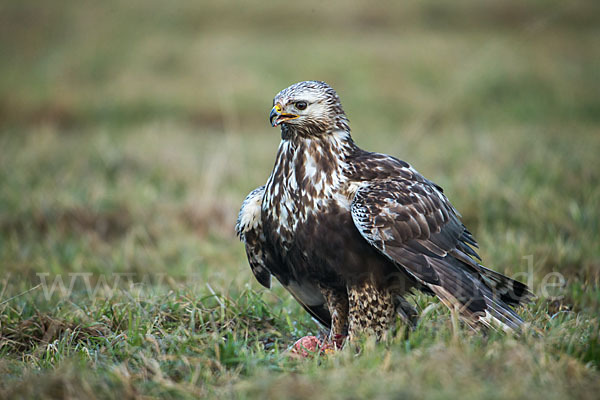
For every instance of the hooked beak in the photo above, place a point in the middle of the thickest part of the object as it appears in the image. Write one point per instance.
(276, 117)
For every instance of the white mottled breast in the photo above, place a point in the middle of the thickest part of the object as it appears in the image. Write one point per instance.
(299, 186)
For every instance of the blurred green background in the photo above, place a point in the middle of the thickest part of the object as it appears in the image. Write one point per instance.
(215, 65)
(131, 131)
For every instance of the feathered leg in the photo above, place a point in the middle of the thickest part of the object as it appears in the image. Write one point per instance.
(337, 302)
(371, 310)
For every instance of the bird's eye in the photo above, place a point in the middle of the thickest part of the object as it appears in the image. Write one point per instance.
(301, 105)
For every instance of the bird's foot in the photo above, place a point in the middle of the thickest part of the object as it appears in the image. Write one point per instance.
(337, 341)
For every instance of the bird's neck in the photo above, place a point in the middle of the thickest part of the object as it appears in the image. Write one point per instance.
(312, 165)
(325, 154)
(336, 140)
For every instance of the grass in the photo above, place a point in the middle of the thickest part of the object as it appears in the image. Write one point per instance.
(131, 132)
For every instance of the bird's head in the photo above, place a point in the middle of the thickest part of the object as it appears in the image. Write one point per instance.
(309, 108)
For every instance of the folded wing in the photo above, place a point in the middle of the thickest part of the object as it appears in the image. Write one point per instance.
(413, 224)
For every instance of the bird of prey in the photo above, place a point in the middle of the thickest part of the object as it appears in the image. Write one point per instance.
(349, 232)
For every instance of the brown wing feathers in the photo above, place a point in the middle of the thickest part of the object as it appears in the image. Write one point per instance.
(414, 225)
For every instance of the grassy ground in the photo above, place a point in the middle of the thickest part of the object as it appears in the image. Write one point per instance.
(131, 131)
